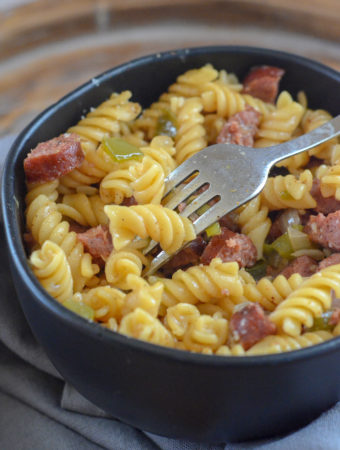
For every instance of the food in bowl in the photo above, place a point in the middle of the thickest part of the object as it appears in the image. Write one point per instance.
(264, 279)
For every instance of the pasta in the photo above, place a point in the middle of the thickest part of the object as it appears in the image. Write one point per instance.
(289, 192)
(45, 222)
(312, 298)
(161, 224)
(50, 266)
(262, 280)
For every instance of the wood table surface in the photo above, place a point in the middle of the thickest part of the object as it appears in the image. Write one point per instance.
(49, 47)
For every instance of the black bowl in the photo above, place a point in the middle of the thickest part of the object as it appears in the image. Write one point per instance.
(166, 391)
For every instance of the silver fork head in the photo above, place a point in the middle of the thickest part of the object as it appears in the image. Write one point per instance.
(234, 175)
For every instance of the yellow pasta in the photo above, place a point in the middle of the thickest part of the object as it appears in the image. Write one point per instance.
(45, 222)
(161, 224)
(190, 137)
(284, 343)
(162, 150)
(270, 293)
(190, 308)
(279, 125)
(225, 101)
(142, 325)
(255, 223)
(206, 332)
(123, 263)
(202, 283)
(289, 192)
(50, 266)
(87, 211)
(307, 302)
(148, 185)
(106, 301)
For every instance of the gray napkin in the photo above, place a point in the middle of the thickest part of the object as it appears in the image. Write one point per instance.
(38, 410)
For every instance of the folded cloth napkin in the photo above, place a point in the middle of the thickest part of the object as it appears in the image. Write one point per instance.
(38, 410)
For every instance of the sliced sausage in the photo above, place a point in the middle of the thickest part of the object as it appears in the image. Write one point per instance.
(98, 242)
(229, 221)
(54, 158)
(241, 128)
(330, 261)
(325, 230)
(335, 317)
(230, 246)
(129, 201)
(189, 255)
(304, 265)
(323, 205)
(249, 325)
(263, 82)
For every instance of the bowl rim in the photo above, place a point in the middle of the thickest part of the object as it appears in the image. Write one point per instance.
(18, 257)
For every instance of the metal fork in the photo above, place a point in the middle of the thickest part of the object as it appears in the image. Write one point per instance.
(235, 175)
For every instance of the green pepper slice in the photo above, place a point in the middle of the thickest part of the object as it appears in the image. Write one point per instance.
(120, 150)
(167, 124)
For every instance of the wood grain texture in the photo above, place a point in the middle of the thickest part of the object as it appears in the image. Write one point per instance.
(48, 48)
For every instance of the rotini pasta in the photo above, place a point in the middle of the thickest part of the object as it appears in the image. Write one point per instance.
(260, 281)
(50, 266)
(289, 192)
(307, 302)
(161, 224)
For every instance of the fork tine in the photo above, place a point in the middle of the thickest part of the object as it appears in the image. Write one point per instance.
(185, 192)
(177, 176)
(212, 215)
(198, 202)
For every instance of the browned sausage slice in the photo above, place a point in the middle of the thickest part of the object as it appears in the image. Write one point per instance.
(230, 246)
(263, 82)
(54, 158)
(249, 325)
(241, 128)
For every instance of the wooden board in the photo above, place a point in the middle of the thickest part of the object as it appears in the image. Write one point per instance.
(49, 48)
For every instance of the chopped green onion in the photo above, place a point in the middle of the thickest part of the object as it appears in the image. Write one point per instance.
(282, 246)
(213, 230)
(167, 124)
(258, 270)
(120, 150)
(322, 323)
(298, 239)
(81, 309)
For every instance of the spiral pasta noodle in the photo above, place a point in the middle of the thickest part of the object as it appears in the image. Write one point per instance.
(270, 293)
(279, 125)
(225, 101)
(202, 283)
(190, 137)
(307, 302)
(50, 266)
(255, 223)
(330, 181)
(107, 302)
(87, 211)
(123, 263)
(283, 343)
(148, 185)
(99, 122)
(161, 224)
(312, 120)
(289, 192)
(142, 325)
(45, 222)
(162, 150)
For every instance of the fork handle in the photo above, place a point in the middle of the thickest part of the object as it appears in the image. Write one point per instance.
(276, 153)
